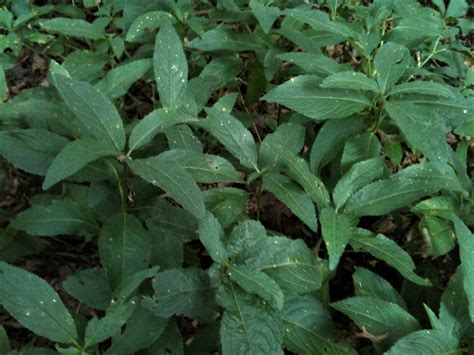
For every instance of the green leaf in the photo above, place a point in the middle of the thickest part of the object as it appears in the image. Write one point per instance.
(246, 328)
(75, 156)
(292, 196)
(182, 137)
(93, 109)
(60, 217)
(423, 130)
(226, 203)
(170, 65)
(124, 248)
(298, 170)
(304, 95)
(146, 23)
(257, 283)
(367, 283)
(331, 138)
(91, 287)
(319, 20)
(101, 329)
(35, 305)
(387, 250)
(132, 282)
(5, 346)
(439, 235)
(166, 174)
(312, 63)
(205, 168)
(359, 148)
(266, 15)
(84, 65)
(153, 123)
(181, 291)
(423, 88)
(3, 85)
(429, 342)
(308, 327)
(219, 39)
(390, 63)
(233, 135)
(289, 262)
(401, 189)
(457, 8)
(143, 329)
(337, 230)
(466, 250)
(378, 317)
(170, 341)
(31, 150)
(358, 176)
(72, 27)
(118, 80)
(350, 80)
(211, 235)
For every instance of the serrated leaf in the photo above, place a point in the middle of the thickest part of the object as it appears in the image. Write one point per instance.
(312, 63)
(93, 109)
(337, 230)
(423, 130)
(387, 250)
(72, 27)
(205, 168)
(298, 170)
(258, 283)
(101, 329)
(91, 287)
(266, 15)
(233, 135)
(466, 250)
(293, 197)
(368, 283)
(319, 20)
(422, 87)
(181, 291)
(227, 203)
(350, 80)
(390, 63)
(304, 95)
(289, 262)
(75, 156)
(146, 23)
(429, 342)
(248, 329)
(182, 137)
(124, 248)
(378, 317)
(211, 235)
(401, 189)
(35, 304)
(143, 329)
(219, 39)
(358, 176)
(118, 80)
(153, 123)
(170, 65)
(31, 150)
(308, 327)
(166, 174)
(60, 217)
(132, 282)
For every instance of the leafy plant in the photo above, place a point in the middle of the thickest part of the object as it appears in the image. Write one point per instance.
(235, 167)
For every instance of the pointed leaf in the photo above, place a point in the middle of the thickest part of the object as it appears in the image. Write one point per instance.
(219, 39)
(337, 231)
(233, 135)
(304, 95)
(75, 156)
(422, 87)
(429, 342)
(390, 63)
(124, 248)
(350, 80)
(93, 109)
(35, 304)
(171, 67)
(211, 235)
(72, 27)
(292, 196)
(166, 174)
(266, 15)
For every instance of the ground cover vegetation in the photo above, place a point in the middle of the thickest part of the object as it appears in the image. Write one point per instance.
(236, 177)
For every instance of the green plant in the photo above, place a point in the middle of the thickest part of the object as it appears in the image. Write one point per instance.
(163, 131)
